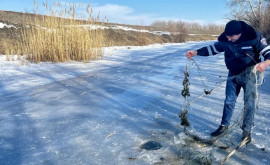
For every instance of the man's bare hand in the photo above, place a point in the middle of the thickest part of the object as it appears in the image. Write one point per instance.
(191, 53)
(263, 65)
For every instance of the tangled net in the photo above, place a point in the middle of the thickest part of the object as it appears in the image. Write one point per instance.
(259, 78)
(186, 93)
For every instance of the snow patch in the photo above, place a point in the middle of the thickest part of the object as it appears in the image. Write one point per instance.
(3, 25)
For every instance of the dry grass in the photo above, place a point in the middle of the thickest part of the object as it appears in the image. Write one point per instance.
(58, 37)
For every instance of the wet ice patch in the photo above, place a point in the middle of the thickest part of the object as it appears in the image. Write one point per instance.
(151, 145)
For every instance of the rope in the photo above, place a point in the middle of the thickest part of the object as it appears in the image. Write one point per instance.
(259, 76)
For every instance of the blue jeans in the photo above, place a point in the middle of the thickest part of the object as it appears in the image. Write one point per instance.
(247, 81)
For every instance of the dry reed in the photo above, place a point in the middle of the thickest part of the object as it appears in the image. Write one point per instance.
(60, 35)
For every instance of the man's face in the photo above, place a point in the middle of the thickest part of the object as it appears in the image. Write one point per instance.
(233, 38)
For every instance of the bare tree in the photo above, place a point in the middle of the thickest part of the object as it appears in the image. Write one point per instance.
(251, 11)
(266, 22)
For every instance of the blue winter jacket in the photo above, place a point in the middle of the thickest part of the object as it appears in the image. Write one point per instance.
(243, 53)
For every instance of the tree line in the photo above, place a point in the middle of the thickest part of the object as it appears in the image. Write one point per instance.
(254, 12)
(186, 27)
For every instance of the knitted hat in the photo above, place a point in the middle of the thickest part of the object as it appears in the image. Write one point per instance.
(233, 28)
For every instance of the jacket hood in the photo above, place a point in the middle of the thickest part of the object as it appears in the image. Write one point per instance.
(248, 33)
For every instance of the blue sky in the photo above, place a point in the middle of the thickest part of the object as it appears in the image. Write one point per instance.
(142, 12)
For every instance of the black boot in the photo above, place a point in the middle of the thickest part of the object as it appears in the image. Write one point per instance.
(221, 130)
(248, 135)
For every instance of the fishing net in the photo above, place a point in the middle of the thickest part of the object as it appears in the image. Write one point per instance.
(203, 146)
(209, 88)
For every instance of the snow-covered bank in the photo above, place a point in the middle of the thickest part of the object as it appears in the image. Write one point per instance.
(101, 112)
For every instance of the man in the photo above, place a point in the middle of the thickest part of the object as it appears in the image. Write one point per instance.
(243, 49)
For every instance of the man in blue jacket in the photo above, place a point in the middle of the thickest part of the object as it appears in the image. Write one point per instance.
(243, 49)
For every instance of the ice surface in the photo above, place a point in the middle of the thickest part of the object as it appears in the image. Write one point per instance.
(101, 112)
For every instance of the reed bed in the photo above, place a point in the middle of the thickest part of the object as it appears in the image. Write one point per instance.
(58, 36)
